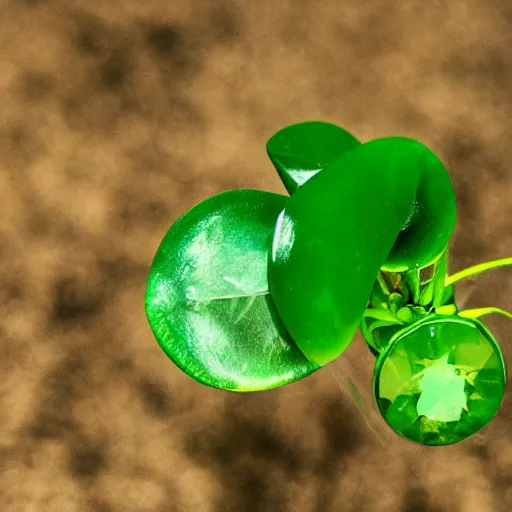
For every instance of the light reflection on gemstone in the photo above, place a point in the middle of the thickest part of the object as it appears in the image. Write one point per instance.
(443, 397)
(440, 380)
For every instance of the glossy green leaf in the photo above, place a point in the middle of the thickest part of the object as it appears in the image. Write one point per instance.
(369, 209)
(301, 150)
(208, 301)
(431, 220)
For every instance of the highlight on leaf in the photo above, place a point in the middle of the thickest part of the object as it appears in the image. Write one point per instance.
(208, 301)
(302, 150)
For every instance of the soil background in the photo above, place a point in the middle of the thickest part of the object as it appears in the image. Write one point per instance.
(115, 118)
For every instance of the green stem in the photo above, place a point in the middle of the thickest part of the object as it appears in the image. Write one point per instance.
(439, 279)
(413, 280)
(382, 283)
(477, 313)
(477, 269)
(367, 335)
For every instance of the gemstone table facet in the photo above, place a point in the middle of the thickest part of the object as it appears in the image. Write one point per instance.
(441, 380)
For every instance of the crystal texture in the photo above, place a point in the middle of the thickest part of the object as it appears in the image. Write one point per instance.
(440, 380)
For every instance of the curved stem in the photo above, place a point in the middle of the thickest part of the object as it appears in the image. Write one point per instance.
(382, 283)
(477, 313)
(477, 269)
(367, 335)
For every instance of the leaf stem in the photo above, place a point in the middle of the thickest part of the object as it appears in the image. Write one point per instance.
(477, 269)
(477, 313)
(382, 283)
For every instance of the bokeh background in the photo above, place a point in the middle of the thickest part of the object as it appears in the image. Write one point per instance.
(115, 118)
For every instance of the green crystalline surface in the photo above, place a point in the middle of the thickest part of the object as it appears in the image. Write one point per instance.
(440, 381)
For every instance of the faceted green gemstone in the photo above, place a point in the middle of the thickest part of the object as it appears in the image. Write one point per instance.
(440, 380)
(208, 301)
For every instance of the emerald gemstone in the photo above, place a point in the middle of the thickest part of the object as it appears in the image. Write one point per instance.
(440, 380)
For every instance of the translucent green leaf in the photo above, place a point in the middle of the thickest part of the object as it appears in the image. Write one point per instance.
(300, 151)
(208, 301)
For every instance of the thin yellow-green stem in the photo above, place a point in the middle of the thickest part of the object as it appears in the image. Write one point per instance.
(382, 283)
(477, 269)
(477, 313)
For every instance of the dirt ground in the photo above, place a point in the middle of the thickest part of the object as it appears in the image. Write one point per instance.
(115, 118)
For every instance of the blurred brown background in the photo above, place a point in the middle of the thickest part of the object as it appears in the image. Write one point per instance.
(115, 118)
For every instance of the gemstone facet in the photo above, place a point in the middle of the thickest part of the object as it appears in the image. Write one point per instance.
(440, 380)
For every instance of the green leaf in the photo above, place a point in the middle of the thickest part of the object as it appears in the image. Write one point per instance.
(427, 293)
(449, 309)
(381, 314)
(405, 315)
(419, 311)
(431, 219)
(378, 299)
(300, 151)
(208, 301)
(448, 294)
(378, 324)
(395, 301)
(344, 225)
